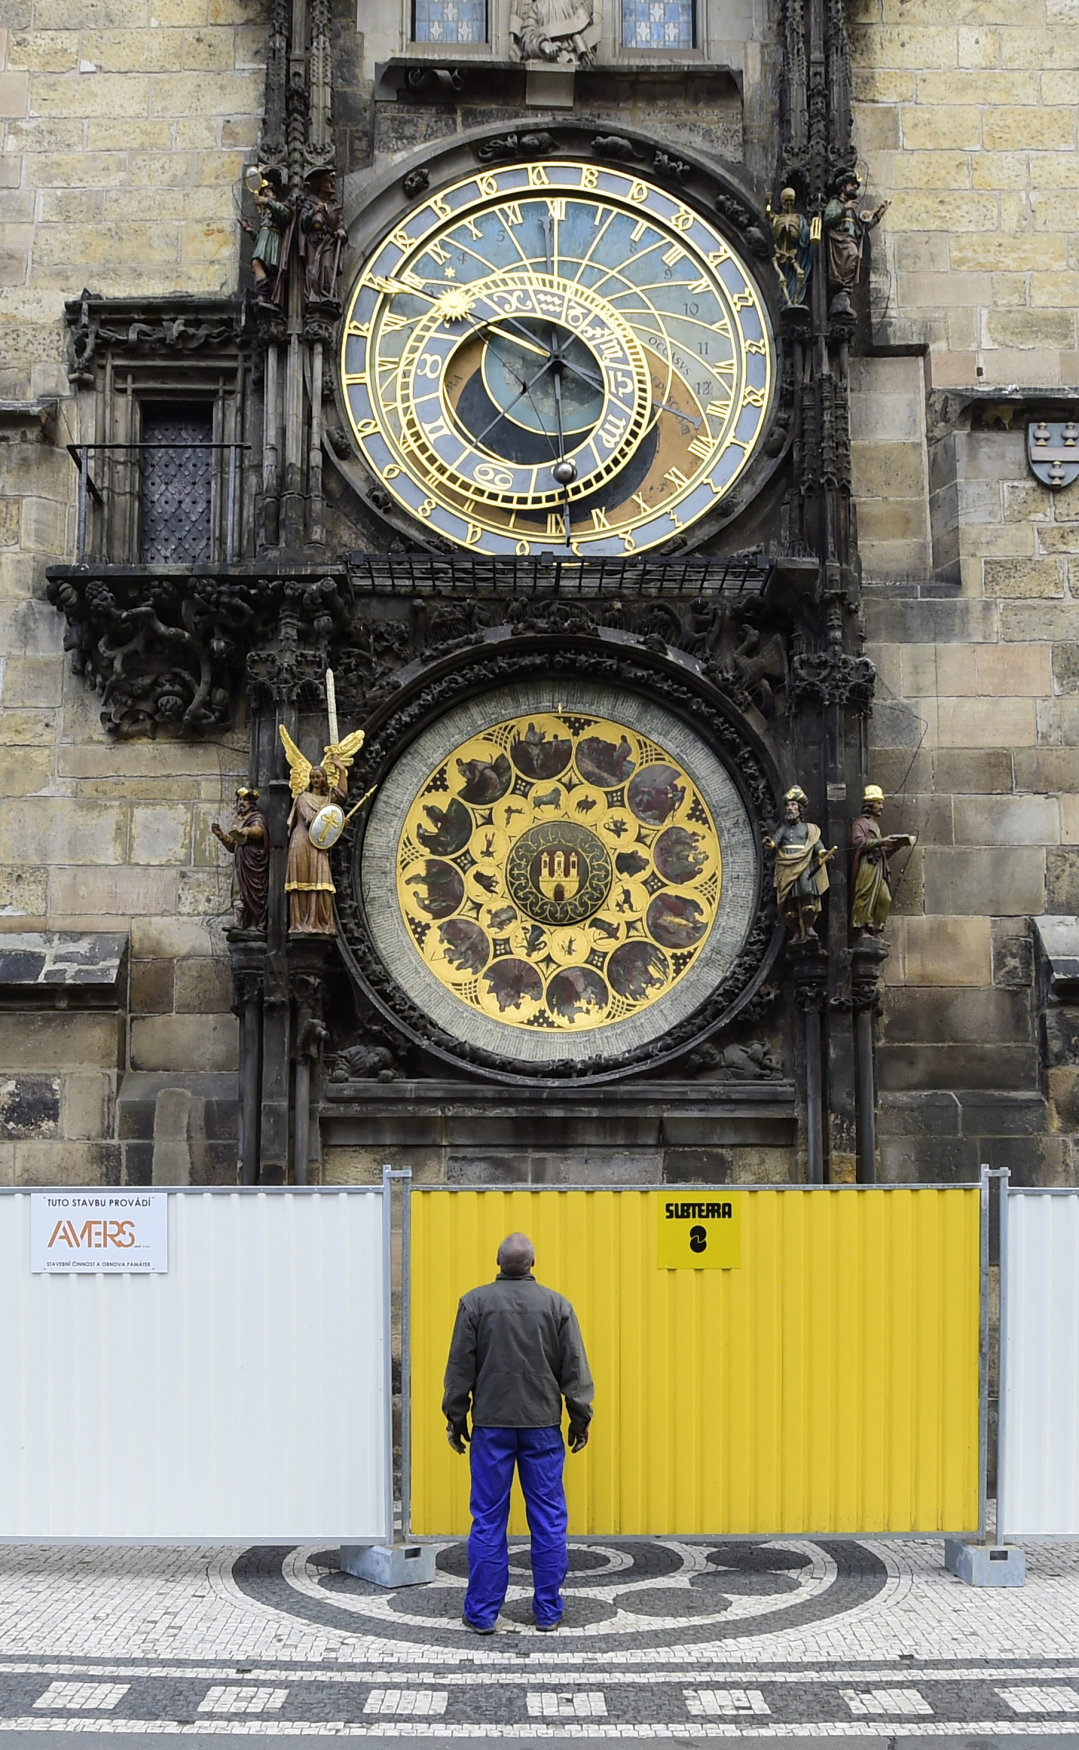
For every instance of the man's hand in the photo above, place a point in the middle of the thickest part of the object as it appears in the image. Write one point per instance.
(457, 1435)
(578, 1436)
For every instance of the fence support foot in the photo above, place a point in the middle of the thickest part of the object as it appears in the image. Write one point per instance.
(395, 1564)
(985, 1564)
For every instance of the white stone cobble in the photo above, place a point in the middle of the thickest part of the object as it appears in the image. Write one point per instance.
(406, 1701)
(80, 1601)
(82, 1695)
(241, 1699)
(566, 1704)
(725, 1701)
(1060, 1700)
(885, 1701)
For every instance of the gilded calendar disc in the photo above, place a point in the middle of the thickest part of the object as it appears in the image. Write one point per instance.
(555, 871)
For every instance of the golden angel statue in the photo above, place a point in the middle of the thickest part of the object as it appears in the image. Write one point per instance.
(315, 823)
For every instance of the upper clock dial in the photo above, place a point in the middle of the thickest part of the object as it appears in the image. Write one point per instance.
(556, 356)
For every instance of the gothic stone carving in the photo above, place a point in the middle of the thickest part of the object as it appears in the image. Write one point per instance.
(172, 651)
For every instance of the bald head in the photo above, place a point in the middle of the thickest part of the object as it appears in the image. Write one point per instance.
(516, 1255)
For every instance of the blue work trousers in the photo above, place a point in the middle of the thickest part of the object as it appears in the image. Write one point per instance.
(540, 1457)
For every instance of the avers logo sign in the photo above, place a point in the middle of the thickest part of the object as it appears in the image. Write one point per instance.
(100, 1231)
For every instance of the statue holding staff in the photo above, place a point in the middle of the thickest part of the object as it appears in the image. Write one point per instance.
(801, 875)
(847, 229)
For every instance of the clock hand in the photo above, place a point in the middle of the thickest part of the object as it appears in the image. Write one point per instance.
(545, 227)
(398, 288)
(528, 345)
(525, 388)
(557, 362)
(525, 340)
(660, 406)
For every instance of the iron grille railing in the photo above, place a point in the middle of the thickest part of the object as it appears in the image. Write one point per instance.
(223, 548)
(469, 574)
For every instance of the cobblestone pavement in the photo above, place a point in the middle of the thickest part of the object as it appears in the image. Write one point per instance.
(661, 1639)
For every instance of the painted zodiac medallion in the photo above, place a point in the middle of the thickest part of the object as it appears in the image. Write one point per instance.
(558, 871)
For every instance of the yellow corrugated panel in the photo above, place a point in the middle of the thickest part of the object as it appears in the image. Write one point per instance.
(829, 1384)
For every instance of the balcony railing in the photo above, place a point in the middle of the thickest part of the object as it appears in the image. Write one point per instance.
(222, 505)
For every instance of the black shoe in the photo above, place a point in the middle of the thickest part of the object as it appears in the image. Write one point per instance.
(475, 1627)
(548, 1628)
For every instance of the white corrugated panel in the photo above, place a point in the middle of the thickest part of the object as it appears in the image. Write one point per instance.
(1040, 1410)
(239, 1397)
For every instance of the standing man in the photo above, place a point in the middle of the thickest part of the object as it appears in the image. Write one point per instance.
(516, 1353)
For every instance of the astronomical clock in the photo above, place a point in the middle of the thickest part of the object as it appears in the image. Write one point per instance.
(560, 871)
(556, 356)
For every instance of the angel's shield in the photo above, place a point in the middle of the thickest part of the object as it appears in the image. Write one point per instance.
(327, 827)
(1053, 449)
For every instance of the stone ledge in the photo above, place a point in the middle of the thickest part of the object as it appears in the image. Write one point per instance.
(1057, 938)
(62, 969)
(28, 421)
(642, 1115)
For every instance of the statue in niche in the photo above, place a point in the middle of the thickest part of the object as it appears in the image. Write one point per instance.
(566, 32)
(846, 230)
(801, 874)
(793, 258)
(870, 875)
(321, 236)
(248, 842)
(268, 260)
(314, 824)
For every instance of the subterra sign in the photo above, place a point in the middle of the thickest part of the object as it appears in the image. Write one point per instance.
(104, 1232)
(700, 1230)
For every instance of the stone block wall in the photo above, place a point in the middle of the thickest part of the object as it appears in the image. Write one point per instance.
(967, 117)
(967, 122)
(125, 128)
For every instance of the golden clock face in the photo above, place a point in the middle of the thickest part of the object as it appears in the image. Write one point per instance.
(558, 872)
(556, 356)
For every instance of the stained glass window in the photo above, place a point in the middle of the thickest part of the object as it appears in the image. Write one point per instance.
(657, 24)
(449, 21)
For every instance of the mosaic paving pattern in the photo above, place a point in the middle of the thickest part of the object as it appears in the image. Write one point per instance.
(781, 1638)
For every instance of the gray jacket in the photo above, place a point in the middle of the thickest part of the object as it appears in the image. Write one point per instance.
(517, 1352)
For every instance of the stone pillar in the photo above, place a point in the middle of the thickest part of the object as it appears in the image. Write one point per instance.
(308, 957)
(275, 1090)
(867, 958)
(286, 673)
(247, 951)
(810, 995)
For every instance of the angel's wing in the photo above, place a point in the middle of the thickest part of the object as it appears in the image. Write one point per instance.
(299, 765)
(345, 750)
(337, 759)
